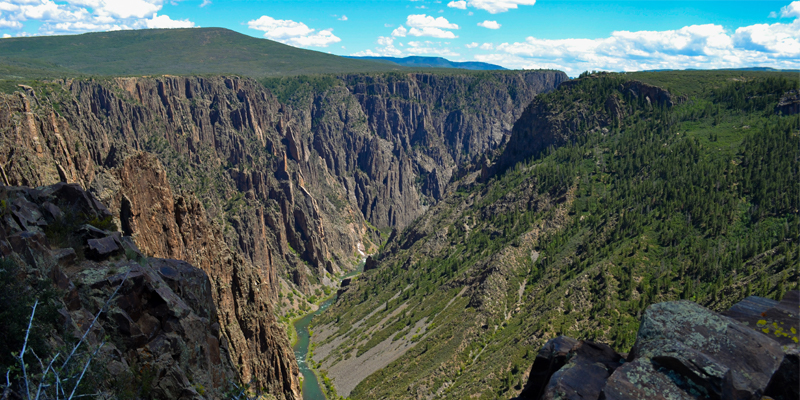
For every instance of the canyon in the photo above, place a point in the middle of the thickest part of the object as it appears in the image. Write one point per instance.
(265, 196)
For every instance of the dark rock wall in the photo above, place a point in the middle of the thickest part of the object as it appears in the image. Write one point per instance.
(163, 315)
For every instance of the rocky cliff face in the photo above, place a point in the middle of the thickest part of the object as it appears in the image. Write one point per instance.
(177, 227)
(257, 192)
(542, 126)
(156, 331)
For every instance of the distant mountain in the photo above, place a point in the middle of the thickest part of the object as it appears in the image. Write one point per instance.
(167, 51)
(433, 62)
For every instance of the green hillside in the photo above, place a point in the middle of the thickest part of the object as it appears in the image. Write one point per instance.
(167, 51)
(630, 203)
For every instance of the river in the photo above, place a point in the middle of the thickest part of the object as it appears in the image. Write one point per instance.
(311, 385)
(311, 388)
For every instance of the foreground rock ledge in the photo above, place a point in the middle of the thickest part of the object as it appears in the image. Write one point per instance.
(682, 351)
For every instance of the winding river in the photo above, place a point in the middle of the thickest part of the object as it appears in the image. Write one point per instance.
(311, 388)
(311, 385)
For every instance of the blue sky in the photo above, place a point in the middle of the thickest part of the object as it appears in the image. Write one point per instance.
(571, 35)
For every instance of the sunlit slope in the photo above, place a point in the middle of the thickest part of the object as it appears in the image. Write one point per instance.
(612, 195)
(168, 51)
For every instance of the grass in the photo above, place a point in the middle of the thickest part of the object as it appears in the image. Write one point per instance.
(169, 51)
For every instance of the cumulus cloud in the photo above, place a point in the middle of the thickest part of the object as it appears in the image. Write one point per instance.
(780, 39)
(205, 3)
(6, 36)
(75, 16)
(164, 21)
(471, 45)
(697, 46)
(4, 23)
(489, 24)
(461, 5)
(400, 31)
(432, 32)
(425, 25)
(292, 32)
(487, 46)
(386, 48)
(497, 6)
(343, 18)
(426, 21)
(792, 10)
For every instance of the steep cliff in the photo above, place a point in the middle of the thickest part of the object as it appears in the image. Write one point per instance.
(149, 325)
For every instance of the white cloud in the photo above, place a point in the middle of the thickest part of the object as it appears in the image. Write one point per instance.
(8, 7)
(489, 24)
(432, 32)
(471, 45)
(773, 14)
(425, 21)
(792, 10)
(387, 49)
(387, 25)
(429, 48)
(424, 25)
(400, 31)
(778, 39)
(293, 33)
(697, 46)
(75, 16)
(461, 5)
(6, 36)
(498, 6)
(343, 18)
(205, 3)
(164, 21)
(487, 46)
(385, 41)
(4, 23)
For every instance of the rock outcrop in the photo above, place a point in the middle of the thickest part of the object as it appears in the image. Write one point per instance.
(789, 103)
(540, 127)
(682, 351)
(162, 338)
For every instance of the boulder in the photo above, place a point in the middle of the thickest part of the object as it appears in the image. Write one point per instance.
(585, 374)
(778, 320)
(102, 249)
(785, 383)
(702, 351)
(550, 359)
(682, 351)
